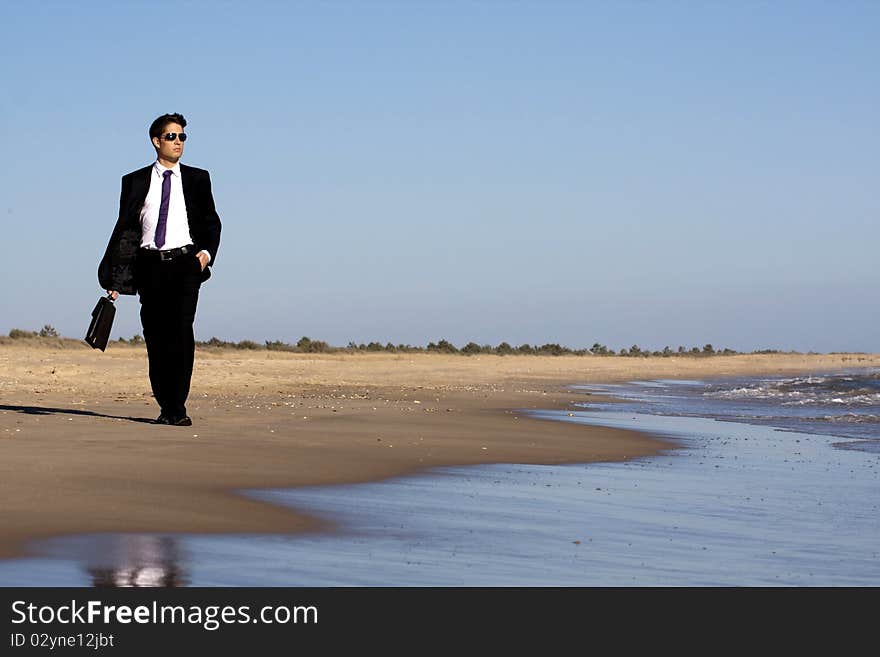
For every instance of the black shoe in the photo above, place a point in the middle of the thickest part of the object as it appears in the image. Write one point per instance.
(162, 419)
(184, 421)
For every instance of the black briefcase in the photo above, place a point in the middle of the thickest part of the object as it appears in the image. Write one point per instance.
(102, 322)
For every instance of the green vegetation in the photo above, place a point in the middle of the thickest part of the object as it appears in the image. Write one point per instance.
(136, 339)
(306, 345)
(18, 334)
(47, 336)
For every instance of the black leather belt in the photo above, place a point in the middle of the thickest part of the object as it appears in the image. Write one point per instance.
(167, 254)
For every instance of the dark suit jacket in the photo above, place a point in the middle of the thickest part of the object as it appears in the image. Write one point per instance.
(117, 270)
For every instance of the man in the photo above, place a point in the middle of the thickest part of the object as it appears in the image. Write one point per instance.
(166, 235)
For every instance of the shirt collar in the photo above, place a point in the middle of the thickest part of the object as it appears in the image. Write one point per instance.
(159, 169)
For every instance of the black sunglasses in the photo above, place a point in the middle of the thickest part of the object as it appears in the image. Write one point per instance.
(171, 136)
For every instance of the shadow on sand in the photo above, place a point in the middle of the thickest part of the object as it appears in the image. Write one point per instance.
(45, 410)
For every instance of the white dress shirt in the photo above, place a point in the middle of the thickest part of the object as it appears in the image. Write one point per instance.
(177, 225)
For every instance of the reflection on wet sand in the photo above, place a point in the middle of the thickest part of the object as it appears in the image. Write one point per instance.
(136, 561)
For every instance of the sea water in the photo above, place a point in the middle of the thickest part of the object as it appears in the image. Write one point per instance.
(774, 482)
(842, 404)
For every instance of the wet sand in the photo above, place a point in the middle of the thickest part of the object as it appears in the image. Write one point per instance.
(78, 455)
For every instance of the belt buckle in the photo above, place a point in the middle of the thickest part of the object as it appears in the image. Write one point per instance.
(165, 255)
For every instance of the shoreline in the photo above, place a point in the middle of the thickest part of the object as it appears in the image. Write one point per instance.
(85, 460)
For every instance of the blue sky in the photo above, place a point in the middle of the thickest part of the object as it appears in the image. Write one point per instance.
(621, 172)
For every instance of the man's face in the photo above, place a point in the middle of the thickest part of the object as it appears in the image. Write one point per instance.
(169, 150)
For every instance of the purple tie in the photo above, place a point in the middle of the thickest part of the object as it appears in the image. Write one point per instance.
(163, 209)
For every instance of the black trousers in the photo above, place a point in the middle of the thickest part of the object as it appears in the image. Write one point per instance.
(169, 292)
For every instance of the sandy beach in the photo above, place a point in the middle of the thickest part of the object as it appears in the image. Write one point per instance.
(78, 453)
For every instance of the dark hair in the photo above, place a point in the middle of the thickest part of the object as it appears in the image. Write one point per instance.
(158, 126)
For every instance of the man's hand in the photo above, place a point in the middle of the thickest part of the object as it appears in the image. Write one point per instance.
(113, 294)
(203, 258)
